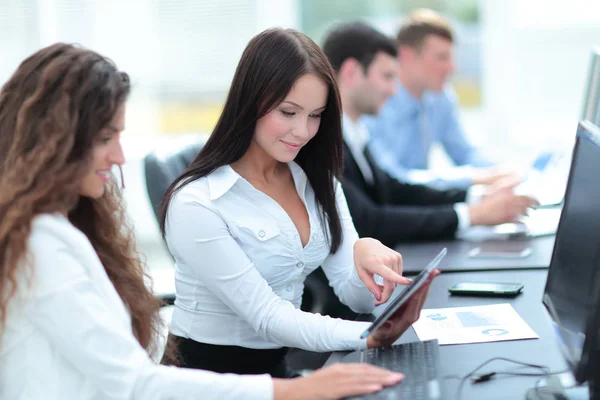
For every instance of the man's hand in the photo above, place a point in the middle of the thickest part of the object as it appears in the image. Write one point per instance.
(500, 208)
(490, 176)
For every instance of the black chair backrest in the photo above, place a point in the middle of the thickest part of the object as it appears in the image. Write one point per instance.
(162, 167)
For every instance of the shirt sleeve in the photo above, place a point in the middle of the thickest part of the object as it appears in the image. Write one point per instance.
(340, 268)
(464, 217)
(75, 318)
(474, 195)
(454, 139)
(194, 229)
(390, 135)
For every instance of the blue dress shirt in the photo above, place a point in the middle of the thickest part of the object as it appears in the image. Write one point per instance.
(405, 129)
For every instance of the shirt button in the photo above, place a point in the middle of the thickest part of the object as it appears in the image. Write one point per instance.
(261, 234)
(289, 288)
(315, 236)
(300, 264)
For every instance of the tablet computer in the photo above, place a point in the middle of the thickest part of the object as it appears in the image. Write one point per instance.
(405, 294)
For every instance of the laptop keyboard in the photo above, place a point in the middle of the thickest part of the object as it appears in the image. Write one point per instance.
(418, 361)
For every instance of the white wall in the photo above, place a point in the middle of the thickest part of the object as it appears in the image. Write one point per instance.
(535, 62)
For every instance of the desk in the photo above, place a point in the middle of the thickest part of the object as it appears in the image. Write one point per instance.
(462, 359)
(417, 255)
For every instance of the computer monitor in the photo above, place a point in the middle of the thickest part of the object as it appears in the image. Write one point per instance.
(571, 295)
(591, 101)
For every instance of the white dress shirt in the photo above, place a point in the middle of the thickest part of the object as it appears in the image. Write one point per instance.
(356, 135)
(240, 267)
(68, 335)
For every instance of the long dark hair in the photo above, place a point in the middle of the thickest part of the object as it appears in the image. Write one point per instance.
(270, 65)
(52, 110)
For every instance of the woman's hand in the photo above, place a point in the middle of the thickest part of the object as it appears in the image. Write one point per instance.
(335, 382)
(371, 258)
(403, 318)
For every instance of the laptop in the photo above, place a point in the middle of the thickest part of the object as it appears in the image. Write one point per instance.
(546, 180)
(539, 222)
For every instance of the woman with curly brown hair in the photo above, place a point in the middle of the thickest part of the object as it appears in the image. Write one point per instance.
(76, 320)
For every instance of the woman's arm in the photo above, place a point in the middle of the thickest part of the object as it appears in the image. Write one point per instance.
(72, 313)
(339, 267)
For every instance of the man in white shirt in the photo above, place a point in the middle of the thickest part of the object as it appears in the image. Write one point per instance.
(381, 206)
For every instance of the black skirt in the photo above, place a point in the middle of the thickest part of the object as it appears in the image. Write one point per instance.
(229, 359)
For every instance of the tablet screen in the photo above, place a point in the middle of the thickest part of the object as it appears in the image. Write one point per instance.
(405, 294)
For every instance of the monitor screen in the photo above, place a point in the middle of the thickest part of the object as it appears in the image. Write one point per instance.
(591, 101)
(571, 284)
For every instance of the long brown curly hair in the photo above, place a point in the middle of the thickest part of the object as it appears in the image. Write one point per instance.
(51, 111)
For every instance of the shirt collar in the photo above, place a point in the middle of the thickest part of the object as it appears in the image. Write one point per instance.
(355, 134)
(222, 179)
(300, 178)
(410, 104)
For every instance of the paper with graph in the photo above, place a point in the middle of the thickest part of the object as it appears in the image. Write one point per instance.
(478, 324)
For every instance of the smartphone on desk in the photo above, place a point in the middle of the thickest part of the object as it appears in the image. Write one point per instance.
(503, 249)
(486, 289)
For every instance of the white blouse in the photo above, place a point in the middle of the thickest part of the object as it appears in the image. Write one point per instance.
(240, 267)
(69, 336)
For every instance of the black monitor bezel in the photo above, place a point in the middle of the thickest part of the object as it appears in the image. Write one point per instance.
(581, 371)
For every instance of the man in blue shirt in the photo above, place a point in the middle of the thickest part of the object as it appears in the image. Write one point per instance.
(424, 111)
(382, 207)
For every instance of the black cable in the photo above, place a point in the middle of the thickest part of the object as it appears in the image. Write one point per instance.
(488, 376)
(533, 374)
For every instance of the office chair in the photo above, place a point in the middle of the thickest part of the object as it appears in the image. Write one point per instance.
(163, 166)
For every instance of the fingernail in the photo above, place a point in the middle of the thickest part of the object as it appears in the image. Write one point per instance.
(395, 376)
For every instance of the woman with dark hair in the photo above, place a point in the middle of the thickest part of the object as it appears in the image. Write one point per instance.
(76, 320)
(261, 207)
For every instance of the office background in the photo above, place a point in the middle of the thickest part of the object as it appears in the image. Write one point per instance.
(521, 65)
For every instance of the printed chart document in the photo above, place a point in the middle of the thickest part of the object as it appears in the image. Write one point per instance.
(478, 324)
